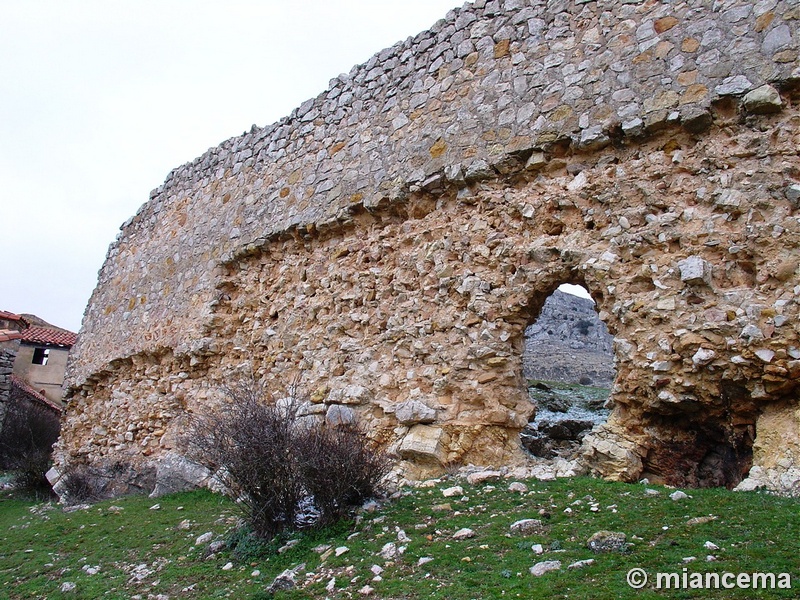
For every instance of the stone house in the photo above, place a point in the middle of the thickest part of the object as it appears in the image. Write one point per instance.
(40, 354)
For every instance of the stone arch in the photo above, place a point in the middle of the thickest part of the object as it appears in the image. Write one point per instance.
(569, 374)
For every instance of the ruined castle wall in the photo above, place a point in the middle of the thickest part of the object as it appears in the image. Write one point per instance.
(390, 240)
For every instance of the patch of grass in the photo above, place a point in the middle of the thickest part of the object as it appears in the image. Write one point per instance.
(144, 552)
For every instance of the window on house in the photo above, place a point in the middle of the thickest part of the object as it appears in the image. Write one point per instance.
(40, 356)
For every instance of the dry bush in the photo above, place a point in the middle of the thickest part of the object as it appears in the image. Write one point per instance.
(339, 468)
(281, 467)
(28, 433)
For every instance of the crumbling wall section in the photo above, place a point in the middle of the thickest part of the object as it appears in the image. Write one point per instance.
(389, 241)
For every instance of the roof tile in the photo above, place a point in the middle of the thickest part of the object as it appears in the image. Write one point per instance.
(44, 335)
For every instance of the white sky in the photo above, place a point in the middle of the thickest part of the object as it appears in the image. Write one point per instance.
(100, 99)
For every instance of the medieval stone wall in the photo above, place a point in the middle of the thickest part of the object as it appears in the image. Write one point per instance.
(387, 244)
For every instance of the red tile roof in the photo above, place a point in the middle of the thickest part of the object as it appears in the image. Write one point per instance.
(6, 335)
(38, 396)
(4, 314)
(46, 336)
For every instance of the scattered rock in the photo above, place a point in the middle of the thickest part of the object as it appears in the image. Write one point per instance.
(67, 587)
(701, 520)
(546, 566)
(607, 541)
(527, 527)
(366, 590)
(341, 550)
(287, 580)
(204, 539)
(463, 534)
(389, 551)
(763, 100)
(678, 495)
(483, 476)
(228, 566)
(518, 487)
(580, 564)
(450, 492)
(288, 546)
(423, 560)
(537, 549)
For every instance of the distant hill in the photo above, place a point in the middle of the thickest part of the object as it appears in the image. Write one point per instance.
(35, 321)
(569, 343)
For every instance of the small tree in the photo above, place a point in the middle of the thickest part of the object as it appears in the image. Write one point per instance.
(277, 464)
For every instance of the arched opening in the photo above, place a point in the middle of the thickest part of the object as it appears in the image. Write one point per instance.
(568, 368)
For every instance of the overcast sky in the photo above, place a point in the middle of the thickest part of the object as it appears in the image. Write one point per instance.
(99, 100)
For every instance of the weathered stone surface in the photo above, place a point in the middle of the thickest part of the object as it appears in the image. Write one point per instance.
(339, 250)
(527, 527)
(763, 100)
(545, 566)
(483, 476)
(695, 271)
(607, 541)
(414, 411)
(423, 443)
(176, 473)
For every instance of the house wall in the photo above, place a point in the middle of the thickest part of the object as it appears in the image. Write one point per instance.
(49, 377)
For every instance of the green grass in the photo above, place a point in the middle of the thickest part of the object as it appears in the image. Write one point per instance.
(42, 547)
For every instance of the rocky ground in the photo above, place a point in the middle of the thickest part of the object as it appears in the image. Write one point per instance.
(565, 413)
(517, 533)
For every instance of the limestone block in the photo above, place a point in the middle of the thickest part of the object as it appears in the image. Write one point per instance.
(176, 473)
(695, 271)
(763, 100)
(411, 412)
(340, 415)
(776, 451)
(608, 454)
(703, 356)
(350, 394)
(423, 443)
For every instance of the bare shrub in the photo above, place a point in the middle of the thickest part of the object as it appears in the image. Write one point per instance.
(28, 433)
(278, 466)
(87, 483)
(79, 486)
(339, 468)
(249, 445)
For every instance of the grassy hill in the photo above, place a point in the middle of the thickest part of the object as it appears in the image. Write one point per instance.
(147, 549)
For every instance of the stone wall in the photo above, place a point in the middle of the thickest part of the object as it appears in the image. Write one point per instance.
(6, 367)
(387, 243)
